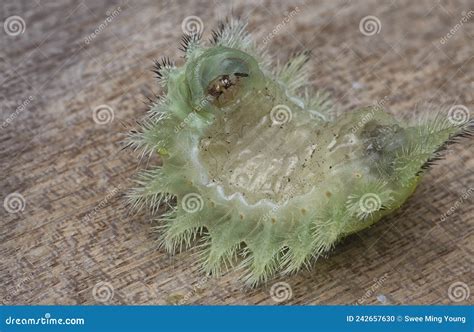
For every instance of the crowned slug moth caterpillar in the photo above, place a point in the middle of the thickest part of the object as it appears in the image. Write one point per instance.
(256, 170)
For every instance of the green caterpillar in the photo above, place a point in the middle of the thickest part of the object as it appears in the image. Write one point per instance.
(255, 168)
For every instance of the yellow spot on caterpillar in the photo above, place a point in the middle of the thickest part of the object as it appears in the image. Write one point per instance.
(163, 152)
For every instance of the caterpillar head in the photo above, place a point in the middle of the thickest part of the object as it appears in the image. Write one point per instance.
(254, 162)
(224, 77)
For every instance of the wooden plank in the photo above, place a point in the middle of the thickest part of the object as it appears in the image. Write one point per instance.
(75, 234)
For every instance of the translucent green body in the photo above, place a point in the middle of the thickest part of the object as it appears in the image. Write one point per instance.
(258, 171)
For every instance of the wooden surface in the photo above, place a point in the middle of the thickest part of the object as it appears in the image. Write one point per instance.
(75, 235)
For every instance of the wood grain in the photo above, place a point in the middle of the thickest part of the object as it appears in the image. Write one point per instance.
(75, 233)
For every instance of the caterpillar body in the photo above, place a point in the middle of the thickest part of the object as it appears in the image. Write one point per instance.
(257, 170)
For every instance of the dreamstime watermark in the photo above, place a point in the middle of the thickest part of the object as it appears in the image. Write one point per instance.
(191, 116)
(192, 25)
(370, 115)
(457, 204)
(111, 15)
(194, 290)
(378, 282)
(103, 114)
(458, 115)
(370, 25)
(103, 292)
(363, 121)
(381, 103)
(103, 203)
(363, 206)
(192, 203)
(465, 17)
(281, 291)
(14, 25)
(14, 203)
(384, 299)
(276, 30)
(370, 203)
(45, 320)
(459, 291)
(280, 114)
(18, 110)
(19, 286)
